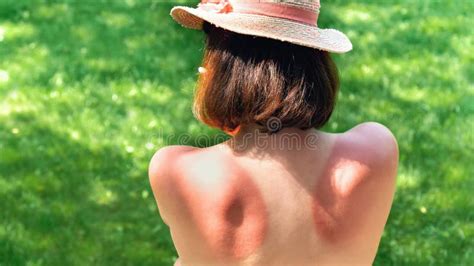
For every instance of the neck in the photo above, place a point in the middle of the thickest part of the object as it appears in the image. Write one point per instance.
(250, 138)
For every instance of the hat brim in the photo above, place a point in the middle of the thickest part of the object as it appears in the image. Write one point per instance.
(330, 40)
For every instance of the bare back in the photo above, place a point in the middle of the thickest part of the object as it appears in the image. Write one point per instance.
(305, 206)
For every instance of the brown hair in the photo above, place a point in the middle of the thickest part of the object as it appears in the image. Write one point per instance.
(251, 80)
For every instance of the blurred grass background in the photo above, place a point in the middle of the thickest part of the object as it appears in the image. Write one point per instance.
(90, 89)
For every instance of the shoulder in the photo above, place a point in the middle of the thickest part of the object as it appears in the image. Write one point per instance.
(164, 160)
(371, 146)
(180, 173)
(374, 132)
(162, 172)
(189, 163)
(365, 162)
(375, 144)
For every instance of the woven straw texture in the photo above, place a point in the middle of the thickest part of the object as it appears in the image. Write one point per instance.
(264, 26)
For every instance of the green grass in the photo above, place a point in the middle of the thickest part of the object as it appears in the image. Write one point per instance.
(90, 89)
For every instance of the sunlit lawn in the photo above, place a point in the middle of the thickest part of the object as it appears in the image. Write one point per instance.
(90, 89)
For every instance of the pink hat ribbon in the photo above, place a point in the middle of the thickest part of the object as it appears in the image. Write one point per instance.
(256, 7)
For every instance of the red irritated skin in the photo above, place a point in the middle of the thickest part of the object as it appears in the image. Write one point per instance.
(228, 210)
(262, 206)
(222, 211)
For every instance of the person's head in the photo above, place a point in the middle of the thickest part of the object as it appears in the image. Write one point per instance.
(251, 80)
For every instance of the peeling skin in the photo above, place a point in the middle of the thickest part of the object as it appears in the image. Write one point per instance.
(226, 207)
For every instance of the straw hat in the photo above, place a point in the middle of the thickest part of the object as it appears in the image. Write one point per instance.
(293, 21)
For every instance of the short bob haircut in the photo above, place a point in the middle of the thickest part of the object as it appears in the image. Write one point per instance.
(252, 80)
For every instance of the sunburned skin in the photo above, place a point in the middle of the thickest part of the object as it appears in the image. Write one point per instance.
(351, 201)
(303, 207)
(227, 207)
(331, 194)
